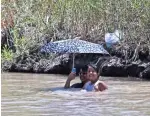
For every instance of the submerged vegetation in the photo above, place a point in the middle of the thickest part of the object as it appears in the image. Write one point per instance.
(31, 23)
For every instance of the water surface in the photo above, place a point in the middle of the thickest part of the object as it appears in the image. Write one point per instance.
(43, 95)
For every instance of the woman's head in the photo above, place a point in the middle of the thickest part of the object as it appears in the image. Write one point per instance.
(83, 74)
(93, 73)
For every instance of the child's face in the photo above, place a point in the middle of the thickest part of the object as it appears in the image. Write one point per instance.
(92, 74)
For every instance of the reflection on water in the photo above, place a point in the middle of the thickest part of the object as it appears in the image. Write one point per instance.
(44, 95)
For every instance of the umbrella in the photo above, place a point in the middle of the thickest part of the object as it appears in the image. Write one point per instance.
(73, 46)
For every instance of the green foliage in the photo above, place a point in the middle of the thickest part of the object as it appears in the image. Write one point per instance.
(85, 18)
(7, 54)
(20, 43)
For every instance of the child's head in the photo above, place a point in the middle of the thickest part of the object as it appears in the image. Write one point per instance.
(93, 73)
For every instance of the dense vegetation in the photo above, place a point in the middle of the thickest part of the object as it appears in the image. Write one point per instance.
(32, 22)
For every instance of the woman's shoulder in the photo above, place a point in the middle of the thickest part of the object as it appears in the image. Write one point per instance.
(77, 85)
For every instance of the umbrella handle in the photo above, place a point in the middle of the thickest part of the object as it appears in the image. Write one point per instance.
(73, 61)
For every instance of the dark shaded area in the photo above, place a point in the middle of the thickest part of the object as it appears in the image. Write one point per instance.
(7, 39)
(113, 67)
(146, 73)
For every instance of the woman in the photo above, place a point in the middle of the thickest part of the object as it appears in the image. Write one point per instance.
(82, 75)
(93, 76)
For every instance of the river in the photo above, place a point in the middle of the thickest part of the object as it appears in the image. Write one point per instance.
(26, 94)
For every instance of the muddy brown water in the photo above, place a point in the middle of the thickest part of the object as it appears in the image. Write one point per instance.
(43, 95)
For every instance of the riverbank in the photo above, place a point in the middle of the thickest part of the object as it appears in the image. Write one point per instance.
(26, 26)
(118, 64)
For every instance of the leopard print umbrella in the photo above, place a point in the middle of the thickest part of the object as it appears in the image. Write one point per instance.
(73, 46)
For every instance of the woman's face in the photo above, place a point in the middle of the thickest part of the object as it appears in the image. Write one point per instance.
(92, 74)
(83, 76)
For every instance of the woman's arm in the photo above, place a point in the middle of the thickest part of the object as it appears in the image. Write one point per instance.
(70, 78)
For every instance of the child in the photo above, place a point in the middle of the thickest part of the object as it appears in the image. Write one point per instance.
(93, 76)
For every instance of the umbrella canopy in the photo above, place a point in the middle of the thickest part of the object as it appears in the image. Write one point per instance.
(73, 46)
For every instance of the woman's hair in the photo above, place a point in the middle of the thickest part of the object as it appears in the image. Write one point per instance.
(84, 68)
